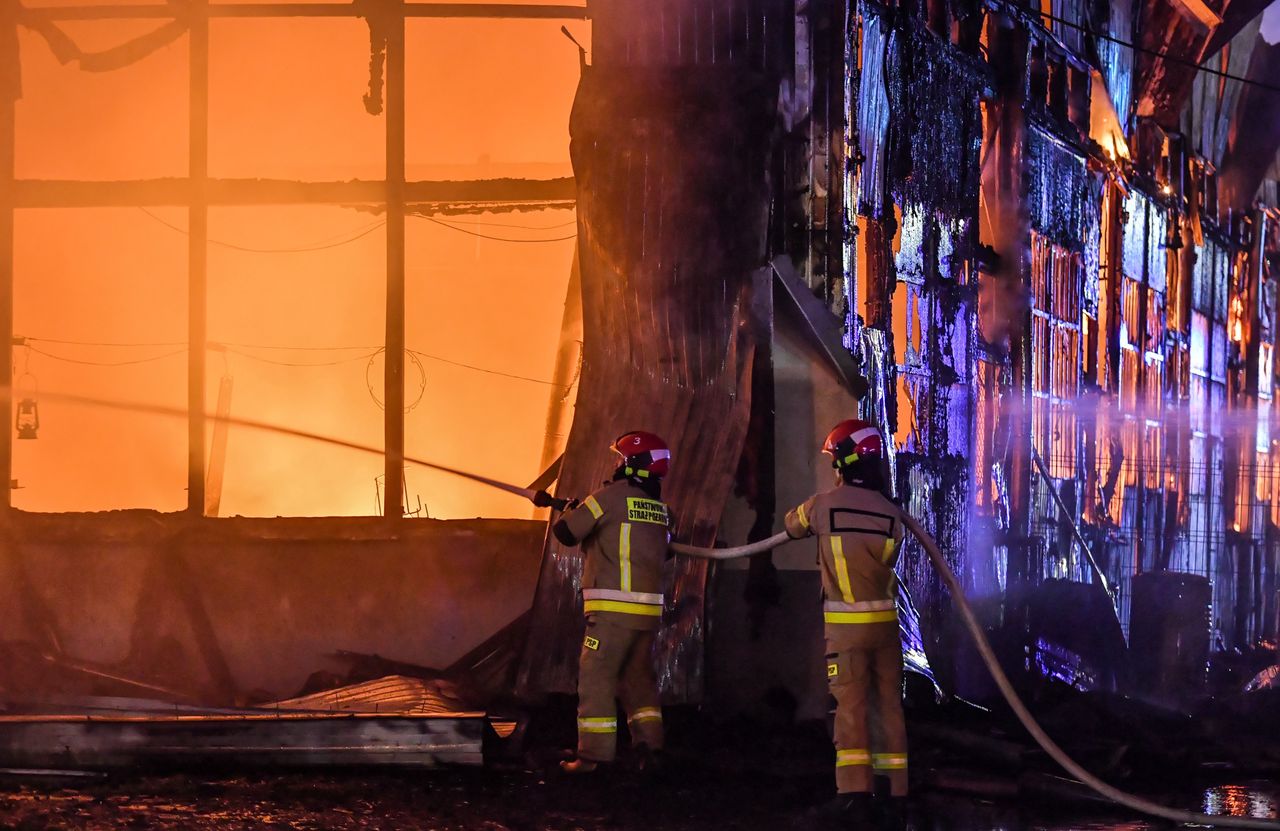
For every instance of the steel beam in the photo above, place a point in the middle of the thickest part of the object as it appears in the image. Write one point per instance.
(197, 250)
(242, 10)
(393, 385)
(56, 193)
(9, 90)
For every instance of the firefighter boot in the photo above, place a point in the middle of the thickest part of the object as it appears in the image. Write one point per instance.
(579, 766)
(847, 812)
(893, 814)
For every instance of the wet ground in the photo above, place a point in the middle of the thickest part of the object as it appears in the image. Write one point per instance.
(523, 800)
(971, 771)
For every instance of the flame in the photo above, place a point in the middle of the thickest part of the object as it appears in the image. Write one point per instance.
(1236, 316)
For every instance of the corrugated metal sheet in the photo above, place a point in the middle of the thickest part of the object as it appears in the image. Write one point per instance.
(754, 34)
(672, 173)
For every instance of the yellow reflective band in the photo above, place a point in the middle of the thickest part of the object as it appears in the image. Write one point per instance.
(597, 725)
(851, 458)
(849, 758)
(624, 555)
(646, 714)
(800, 515)
(890, 761)
(621, 606)
(593, 506)
(860, 617)
(890, 545)
(842, 568)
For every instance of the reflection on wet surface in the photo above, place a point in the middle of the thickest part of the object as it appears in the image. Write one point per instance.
(946, 812)
(1251, 800)
(526, 800)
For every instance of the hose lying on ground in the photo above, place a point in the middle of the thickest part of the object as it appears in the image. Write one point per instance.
(1049, 746)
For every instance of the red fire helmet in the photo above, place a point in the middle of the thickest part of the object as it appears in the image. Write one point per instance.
(852, 440)
(644, 454)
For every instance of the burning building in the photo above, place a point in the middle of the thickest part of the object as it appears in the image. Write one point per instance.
(1035, 245)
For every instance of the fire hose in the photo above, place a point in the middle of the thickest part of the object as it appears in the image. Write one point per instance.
(1136, 803)
(543, 499)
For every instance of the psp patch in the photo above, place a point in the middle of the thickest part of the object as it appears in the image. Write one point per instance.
(591, 643)
(833, 670)
(646, 510)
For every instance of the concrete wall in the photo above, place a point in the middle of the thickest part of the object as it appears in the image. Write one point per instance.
(250, 604)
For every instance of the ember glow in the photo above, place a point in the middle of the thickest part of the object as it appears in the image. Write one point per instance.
(295, 293)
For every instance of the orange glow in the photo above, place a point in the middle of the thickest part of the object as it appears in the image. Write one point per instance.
(1105, 126)
(1237, 319)
(486, 99)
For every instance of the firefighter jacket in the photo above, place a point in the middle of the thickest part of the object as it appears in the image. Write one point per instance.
(624, 534)
(859, 535)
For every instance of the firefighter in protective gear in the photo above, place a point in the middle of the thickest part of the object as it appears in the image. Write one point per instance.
(860, 533)
(624, 530)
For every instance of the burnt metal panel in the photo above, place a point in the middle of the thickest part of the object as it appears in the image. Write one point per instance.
(873, 112)
(1059, 189)
(753, 34)
(256, 739)
(935, 136)
(673, 187)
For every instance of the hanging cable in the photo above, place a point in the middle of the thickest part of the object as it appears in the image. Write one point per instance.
(239, 349)
(513, 224)
(276, 362)
(482, 369)
(324, 245)
(131, 362)
(157, 345)
(487, 236)
(1159, 53)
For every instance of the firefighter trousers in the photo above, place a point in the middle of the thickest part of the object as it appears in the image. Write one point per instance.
(870, 729)
(616, 663)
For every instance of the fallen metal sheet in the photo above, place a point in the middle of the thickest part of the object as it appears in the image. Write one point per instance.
(395, 694)
(263, 739)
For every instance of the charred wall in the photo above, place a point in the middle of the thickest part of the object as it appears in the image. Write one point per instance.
(671, 135)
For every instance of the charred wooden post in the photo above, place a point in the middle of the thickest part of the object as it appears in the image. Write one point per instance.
(1009, 50)
(10, 89)
(393, 379)
(197, 251)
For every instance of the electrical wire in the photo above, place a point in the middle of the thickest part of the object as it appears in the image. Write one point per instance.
(483, 369)
(324, 245)
(367, 352)
(277, 362)
(514, 225)
(1159, 53)
(295, 348)
(488, 236)
(169, 344)
(131, 362)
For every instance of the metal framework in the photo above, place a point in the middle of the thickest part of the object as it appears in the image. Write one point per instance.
(198, 192)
